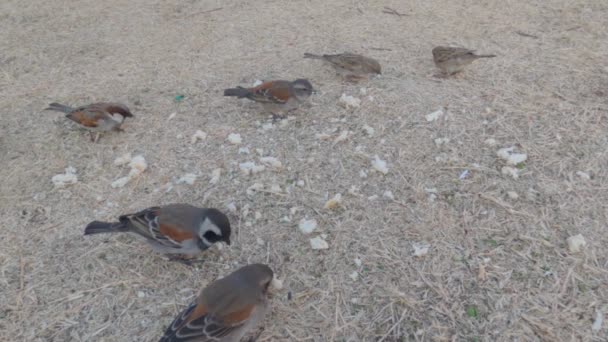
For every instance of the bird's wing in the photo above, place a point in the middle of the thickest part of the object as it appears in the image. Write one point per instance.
(195, 323)
(88, 117)
(271, 92)
(147, 224)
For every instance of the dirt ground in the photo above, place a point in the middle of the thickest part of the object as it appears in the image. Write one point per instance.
(498, 266)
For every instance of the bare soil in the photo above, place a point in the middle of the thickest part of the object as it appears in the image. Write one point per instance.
(498, 267)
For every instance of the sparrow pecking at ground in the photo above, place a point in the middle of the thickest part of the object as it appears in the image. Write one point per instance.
(171, 229)
(352, 66)
(452, 60)
(96, 117)
(225, 310)
(278, 97)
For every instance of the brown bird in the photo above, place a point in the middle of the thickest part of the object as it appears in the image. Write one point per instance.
(96, 117)
(225, 310)
(276, 96)
(350, 65)
(452, 60)
(174, 229)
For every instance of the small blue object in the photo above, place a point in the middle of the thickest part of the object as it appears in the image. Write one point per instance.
(179, 98)
(463, 175)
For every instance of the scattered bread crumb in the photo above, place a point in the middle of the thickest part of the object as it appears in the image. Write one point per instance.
(271, 162)
(441, 141)
(421, 249)
(122, 160)
(188, 178)
(349, 102)
(334, 202)
(235, 138)
(198, 135)
(232, 207)
(307, 226)
(249, 168)
(583, 175)
(138, 163)
(576, 243)
(490, 142)
(369, 130)
(342, 137)
(511, 156)
(598, 321)
(512, 195)
(120, 182)
(379, 165)
(318, 243)
(276, 283)
(67, 178)
(510, 171)
(434, 115)
(215, 176)
(389, 195)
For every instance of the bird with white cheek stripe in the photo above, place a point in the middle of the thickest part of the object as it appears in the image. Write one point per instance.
(175, 229)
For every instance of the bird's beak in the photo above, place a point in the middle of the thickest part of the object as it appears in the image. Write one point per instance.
(202, 246)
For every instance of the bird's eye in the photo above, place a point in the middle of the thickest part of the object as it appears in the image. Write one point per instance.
(212, 237)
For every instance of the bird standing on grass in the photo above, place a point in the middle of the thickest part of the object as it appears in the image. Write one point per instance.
(352, 66)
(225, 310)
(171, 229)
(452, 60)
(278, 97)
(96, 117)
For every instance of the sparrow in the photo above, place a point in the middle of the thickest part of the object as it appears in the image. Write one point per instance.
(226, 309)
(353, 66)
(96, 117)
(276, 96)
(171, 229)
(452, 60)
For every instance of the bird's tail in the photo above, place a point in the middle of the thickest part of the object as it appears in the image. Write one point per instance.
(485, 56)
(238, 92)
(59, 107)
(313, 56)
(98, 227)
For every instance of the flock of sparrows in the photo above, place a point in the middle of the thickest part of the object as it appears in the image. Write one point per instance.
(227, 309)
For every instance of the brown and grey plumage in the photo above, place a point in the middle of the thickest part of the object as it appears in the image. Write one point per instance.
(171, 229)
(452, 60)
(96, 117)
(226, 310)
(277, 96)
(353, 66)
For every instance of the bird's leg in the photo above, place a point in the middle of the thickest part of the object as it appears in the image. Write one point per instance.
(94, 136)
(277, 117)
(178, 258)
(353, 78)
(457, 74)
(184, 259)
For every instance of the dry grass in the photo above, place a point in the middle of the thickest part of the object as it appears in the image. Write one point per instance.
(505, 258)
